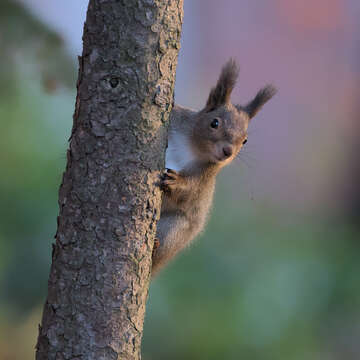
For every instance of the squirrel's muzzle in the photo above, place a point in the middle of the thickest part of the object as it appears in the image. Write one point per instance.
(227, 151)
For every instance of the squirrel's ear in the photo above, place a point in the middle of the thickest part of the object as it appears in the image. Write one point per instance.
(263, 96)
(220, 94)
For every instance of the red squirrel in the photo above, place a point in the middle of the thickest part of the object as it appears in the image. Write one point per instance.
(200, 144)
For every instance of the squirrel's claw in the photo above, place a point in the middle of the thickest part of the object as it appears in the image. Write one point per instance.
(156, 245)
(170, 171)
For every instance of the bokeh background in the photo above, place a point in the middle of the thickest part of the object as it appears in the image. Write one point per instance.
(276, 273)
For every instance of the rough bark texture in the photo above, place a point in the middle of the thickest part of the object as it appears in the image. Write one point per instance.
(109, 201)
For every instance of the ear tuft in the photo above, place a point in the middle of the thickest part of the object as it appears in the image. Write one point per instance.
(263, 96)
(220, 94)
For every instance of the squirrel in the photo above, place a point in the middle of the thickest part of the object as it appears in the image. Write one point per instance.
(200, 144)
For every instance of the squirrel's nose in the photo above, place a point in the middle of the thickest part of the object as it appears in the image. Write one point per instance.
(227, 150)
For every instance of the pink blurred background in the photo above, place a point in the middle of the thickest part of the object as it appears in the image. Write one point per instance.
(308, 49)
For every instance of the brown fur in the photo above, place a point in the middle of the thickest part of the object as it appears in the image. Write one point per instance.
(188, 192)
(263, 96)
(220, 94)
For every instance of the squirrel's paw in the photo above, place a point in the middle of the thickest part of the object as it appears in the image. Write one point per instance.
(156, 245)
(170, 180)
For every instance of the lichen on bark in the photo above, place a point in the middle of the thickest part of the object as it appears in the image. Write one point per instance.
(109, 201)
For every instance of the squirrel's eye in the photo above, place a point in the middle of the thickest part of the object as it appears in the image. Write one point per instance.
(215, 124)
(245, 141)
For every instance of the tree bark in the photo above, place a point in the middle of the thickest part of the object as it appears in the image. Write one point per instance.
(109, 199)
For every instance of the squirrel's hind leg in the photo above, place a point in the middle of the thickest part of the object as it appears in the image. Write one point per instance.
(171, 233)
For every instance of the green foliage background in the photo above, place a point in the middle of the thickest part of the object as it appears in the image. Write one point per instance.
(261, 283)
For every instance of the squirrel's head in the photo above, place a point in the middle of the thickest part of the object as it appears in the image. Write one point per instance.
(220, 129)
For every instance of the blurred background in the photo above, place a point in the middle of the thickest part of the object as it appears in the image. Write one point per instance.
(276, 274)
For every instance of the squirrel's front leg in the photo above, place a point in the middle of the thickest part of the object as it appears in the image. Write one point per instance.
(173, 183)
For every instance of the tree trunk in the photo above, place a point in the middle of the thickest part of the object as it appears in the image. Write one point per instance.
(109, 199)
